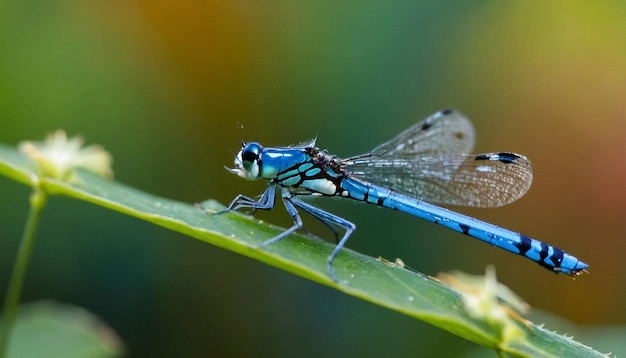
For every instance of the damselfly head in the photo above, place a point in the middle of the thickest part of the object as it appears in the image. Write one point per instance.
(248, 161)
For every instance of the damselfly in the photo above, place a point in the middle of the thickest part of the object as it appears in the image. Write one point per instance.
(424, 165)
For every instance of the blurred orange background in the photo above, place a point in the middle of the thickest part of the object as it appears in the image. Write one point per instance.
(170, 89)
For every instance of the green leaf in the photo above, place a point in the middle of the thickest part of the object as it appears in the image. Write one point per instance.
(48, 329)
(387, 285)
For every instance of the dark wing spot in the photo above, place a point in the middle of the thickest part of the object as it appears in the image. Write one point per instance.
(504, 157)
(428, 122)
(507, 157)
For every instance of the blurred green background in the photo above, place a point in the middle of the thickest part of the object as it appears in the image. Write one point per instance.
(170, 89)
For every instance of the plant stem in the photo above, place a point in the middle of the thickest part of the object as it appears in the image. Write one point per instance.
(37, 202)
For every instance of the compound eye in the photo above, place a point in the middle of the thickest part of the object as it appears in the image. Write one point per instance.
(250, 155)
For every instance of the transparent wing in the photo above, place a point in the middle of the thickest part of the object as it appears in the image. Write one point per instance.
(484, 180)
(445, 132)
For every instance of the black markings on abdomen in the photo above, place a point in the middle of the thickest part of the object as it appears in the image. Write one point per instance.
(524, 245)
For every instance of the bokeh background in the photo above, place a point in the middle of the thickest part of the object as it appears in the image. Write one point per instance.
(171, 88)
